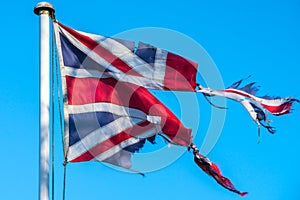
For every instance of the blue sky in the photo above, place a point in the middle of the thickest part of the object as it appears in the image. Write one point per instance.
(260, 38)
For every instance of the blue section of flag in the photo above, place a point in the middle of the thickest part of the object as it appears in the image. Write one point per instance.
(80, 125)
(73, 57)
(137, 146)
(146, 52)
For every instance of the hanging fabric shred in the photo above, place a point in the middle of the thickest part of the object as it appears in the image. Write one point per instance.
(109, 112)
(257, 107)
(212, 170)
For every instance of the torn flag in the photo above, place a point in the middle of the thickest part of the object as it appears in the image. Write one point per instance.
(109, 112)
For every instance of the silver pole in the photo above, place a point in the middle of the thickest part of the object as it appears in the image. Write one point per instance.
(44, 10)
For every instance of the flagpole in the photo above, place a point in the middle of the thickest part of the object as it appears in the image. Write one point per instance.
(45, 11)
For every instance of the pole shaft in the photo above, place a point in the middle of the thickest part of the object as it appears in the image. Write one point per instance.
(44, 106)
(45, 10)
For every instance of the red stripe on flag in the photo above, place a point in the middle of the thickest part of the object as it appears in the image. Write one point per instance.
(237, 92)
(180, 73)
(113, 141)
(277, 110)
(282, 109)
(91, 90)
(102, 147)
(101, 51)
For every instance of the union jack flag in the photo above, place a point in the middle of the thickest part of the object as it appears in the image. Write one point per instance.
(109, 112)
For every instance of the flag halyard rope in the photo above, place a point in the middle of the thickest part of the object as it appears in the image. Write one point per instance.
(52, 117)
(56, 75)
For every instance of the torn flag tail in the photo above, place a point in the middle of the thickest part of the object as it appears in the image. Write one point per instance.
(212, 170)
(257, 107)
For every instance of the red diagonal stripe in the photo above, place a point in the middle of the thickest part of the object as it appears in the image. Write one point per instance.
(280, 109)
(237, 92)
(113, 141)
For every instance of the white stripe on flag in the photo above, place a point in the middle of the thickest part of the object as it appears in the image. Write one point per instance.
(160, 65)
(91, 73)
(220, 93)
(114, 109)
(123, 53)
(115, 149)
(89, 52)
(101, 134)
(269, 102)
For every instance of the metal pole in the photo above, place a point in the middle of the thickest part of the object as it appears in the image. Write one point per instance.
(44, 10)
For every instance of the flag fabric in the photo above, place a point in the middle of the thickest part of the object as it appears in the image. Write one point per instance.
(109, 112)
(212, 169)
(108, 119)
(96, 56)
(257, 107)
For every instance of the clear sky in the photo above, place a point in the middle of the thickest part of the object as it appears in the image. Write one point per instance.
(261, 38)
